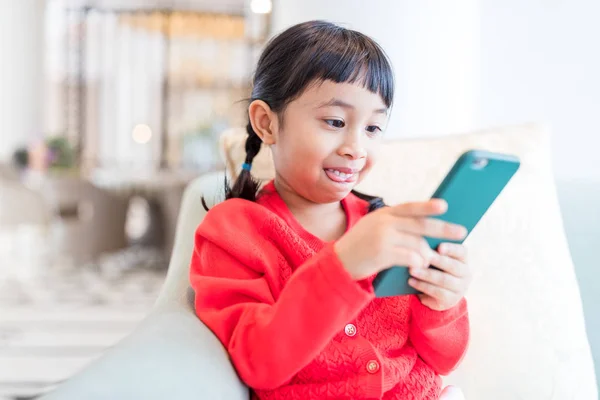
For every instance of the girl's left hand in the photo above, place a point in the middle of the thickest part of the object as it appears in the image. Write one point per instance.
(444, 287)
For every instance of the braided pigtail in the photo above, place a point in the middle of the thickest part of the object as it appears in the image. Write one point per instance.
(375, 203)
(245, 186)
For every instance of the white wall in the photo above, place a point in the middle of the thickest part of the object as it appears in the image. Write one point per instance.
(21, 74)
(434, 49)
(541, 61)
(471, 64)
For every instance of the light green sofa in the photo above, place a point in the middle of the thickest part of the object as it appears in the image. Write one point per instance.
(172, 355)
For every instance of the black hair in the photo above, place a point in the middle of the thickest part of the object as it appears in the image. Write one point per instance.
(296, 58)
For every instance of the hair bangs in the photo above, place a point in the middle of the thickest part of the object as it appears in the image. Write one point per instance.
(350, 57)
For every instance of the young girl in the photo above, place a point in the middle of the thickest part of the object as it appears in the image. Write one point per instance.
(283, 275)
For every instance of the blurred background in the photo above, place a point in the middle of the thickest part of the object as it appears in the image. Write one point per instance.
(109, 108)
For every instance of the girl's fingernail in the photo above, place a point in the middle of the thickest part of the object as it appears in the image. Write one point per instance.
(443, 205)
(415, 272)
(412, 281)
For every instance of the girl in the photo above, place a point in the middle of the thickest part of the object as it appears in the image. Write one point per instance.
(283, 275)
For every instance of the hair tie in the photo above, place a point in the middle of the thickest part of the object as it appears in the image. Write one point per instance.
(246, 166)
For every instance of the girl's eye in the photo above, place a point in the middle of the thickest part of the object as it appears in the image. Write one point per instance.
(335, 123)
(373, 130)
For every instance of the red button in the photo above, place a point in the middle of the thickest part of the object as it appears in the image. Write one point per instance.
(350, 330)
(372, 367)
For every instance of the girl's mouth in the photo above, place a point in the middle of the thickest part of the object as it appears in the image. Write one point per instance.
(341, 176)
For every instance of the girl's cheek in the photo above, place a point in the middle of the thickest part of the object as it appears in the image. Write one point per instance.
(372, 157)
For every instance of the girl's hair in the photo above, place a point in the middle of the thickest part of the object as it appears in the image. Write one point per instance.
(300, 56)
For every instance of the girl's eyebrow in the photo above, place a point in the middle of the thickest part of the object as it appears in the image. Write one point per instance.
(334, 102)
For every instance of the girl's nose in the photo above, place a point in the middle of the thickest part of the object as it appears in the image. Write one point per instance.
(353, 149)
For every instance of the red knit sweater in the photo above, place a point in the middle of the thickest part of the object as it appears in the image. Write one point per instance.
(297, 326)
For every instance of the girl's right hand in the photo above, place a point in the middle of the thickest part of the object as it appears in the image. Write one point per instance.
(395, 236)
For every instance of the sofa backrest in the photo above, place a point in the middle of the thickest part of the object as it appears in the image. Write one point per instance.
(528, 336)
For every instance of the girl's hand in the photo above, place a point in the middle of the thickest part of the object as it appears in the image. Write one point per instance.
(444, 288)
(395, 236)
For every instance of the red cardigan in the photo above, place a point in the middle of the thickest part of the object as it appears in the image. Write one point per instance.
(297, 326)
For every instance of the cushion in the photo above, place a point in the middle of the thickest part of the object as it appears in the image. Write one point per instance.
(528, 338)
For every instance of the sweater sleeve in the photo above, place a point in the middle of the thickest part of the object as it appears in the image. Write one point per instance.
(440, 337)
(271, 339)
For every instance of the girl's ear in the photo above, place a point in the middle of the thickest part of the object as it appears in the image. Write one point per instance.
(264, 121)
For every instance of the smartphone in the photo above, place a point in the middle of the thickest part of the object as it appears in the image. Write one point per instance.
(470, 188)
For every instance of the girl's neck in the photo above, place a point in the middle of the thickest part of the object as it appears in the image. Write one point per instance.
(325, 221)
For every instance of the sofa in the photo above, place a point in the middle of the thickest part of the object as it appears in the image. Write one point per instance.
(528, 338)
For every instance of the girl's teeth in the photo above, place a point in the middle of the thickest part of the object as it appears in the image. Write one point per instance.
(342, 175)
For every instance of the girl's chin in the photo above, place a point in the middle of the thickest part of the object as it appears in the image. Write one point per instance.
(338, 190)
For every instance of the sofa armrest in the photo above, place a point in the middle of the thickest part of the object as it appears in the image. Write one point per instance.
(171, 355)
(209, 186)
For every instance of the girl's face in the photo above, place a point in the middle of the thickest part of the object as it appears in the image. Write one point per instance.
(329, 140)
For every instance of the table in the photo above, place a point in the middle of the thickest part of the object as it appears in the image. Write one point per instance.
(163, 190)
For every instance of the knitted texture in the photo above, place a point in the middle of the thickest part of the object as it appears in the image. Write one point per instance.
(297, 326)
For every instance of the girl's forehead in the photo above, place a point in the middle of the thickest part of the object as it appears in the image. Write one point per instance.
(343, 94)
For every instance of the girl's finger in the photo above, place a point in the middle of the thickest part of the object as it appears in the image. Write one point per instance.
(419, 209)
(454, 250)
(452, 266)
(430, 227)
(438, 278)
(407, 257)
(439, 293)
(416, 243)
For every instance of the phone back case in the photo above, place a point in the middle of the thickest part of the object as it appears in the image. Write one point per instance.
(470, 188)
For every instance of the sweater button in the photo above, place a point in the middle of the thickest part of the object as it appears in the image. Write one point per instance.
(372, 367)
(350, 330)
